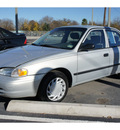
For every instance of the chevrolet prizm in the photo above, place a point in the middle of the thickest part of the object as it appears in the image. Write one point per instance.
(62, 58)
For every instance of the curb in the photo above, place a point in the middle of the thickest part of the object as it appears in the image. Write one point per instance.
(42, 119)
(68, 109)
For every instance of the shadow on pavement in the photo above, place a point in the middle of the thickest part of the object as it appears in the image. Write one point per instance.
(3, 99)
(109, 82)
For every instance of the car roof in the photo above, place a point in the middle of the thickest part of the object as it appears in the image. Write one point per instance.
(90, 27)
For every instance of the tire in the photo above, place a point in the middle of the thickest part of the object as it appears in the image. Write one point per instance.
(118, 75)
(54, 87)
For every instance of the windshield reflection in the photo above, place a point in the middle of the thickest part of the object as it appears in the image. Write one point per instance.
(62, 38)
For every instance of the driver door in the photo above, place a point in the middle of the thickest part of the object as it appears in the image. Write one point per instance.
(93, 63)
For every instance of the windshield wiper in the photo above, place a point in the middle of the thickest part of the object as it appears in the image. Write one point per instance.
(35, 44)
(45, 45)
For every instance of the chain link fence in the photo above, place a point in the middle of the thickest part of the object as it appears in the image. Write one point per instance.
(32, 33)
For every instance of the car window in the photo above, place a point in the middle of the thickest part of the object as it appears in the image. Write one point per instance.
(74, 36)
(95, 37)
(54, 38)
(6, 33)
(113, 38)
(64, 38)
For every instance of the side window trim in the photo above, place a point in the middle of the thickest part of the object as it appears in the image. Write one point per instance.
(106, 39)
(89, 33)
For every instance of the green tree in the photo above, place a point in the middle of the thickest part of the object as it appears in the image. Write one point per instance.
(25, 26)
(31, 25)
(84, 22)
(45, 27)
(36, 27)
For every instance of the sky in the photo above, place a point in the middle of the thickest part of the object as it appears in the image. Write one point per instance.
(72, 13)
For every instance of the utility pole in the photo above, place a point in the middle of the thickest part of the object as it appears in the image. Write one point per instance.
(16, 19)
(92, 16)
(109, 17)
(104, 19)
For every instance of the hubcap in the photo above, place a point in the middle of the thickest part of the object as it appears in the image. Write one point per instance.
(56, 89)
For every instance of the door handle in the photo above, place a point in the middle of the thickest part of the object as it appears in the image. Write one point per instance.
(106, 55)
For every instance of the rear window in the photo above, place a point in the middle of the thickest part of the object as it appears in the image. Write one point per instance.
(6, 33)
(113, 38)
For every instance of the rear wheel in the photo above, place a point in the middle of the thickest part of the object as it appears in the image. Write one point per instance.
(54, 87)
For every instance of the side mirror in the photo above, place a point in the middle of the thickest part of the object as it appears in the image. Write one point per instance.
(87, 47)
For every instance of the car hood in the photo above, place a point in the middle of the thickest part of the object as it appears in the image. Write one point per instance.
(16, 56)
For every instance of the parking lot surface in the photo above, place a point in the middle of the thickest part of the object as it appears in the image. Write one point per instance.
(103, 91)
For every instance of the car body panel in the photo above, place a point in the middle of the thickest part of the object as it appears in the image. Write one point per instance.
(25, 54)
(90, 65)
(114, 60)
(19, 87)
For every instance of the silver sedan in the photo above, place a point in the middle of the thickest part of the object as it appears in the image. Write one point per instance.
(62, 58)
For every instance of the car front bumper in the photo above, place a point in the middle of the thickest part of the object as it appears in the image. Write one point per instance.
(19, 87)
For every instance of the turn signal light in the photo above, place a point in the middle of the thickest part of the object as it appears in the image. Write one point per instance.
(22, 72)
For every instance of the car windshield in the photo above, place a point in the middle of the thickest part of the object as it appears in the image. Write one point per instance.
(63, 38)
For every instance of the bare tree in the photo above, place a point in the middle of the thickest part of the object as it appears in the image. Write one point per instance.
(7, 24)
(74, 23)
(46, 19)
(21, 23)
(116, 23)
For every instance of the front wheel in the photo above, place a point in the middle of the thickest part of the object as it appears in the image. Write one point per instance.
(54, 87)
(118, 75)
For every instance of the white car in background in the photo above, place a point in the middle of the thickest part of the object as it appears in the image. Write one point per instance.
(62, 58)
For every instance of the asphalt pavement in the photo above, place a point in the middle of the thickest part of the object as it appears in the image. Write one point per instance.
(103, 91)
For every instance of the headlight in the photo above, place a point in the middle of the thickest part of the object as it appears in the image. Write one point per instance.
(6, 71)
(13, 72)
